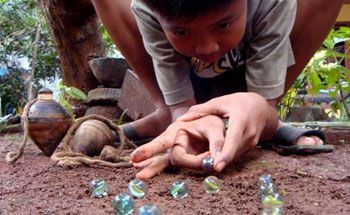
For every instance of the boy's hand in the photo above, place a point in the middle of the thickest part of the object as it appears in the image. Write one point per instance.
(250, 118)
(185, 144)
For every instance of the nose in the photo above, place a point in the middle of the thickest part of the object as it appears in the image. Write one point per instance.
(206, 47)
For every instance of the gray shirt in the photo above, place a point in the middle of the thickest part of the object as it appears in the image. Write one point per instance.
(266, 47)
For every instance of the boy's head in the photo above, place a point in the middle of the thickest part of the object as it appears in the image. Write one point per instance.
(174, 9)
(204, 29)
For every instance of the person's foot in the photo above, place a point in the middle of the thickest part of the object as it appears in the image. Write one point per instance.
(305, 140)
(153, 124)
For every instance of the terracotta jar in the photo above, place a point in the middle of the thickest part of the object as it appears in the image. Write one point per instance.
(48, 122)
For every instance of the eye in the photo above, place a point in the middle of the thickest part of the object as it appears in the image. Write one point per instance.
(223, 25)
(180, 33)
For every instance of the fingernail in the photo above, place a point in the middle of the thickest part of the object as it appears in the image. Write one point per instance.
(135, 154)
(220, 166)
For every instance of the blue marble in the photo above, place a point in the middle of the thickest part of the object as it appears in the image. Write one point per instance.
(179, 189)
(149, 209)
(98, 188)
(207, 164)
(123, 204)
(137, 188)
(265, 179)
(211, 184)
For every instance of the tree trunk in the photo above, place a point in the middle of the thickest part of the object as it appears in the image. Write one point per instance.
(75, 30)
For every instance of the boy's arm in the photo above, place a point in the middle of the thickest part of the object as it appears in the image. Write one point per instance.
(171, 68)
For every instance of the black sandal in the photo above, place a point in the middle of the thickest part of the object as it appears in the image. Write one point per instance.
(284, 142)
(131, 134)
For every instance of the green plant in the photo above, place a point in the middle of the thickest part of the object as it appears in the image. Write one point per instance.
(66, 94)
(325, 72)
(17, 42)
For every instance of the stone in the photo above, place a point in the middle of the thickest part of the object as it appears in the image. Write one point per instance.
(207, 164)
(274, 200)
(123, 204)
(149, 209)
(134, 97)
(267, 189)
(137, 188)
(109, 72)
(98, 188)
(211, 184)
(179, 189)
(103, 96)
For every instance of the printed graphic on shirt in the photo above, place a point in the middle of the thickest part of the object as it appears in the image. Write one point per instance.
(229, 61)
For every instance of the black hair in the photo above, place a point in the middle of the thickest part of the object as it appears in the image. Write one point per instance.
(188, 9)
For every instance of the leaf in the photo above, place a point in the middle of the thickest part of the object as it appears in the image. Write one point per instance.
(120, 120)
(66, 105)
(75, 93)
(335, 106)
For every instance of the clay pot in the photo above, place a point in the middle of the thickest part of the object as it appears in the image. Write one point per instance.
(48, 122)
(91, 137)
(109, 72)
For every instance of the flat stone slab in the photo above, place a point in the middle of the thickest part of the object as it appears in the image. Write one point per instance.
(134, 97)
(103, 96)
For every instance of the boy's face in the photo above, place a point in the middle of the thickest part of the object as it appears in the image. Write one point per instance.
(209, 36)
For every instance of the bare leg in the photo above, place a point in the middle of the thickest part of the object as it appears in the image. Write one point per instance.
(119, 21)
(314, 20)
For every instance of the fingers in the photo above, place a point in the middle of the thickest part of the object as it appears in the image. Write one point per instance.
(179, 155)
(196, 112)
(158, 145)
(233, 138)
(180, 158)
(144, 163)
(214, 133)
(157, 165)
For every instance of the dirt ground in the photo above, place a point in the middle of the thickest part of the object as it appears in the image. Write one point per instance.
(317, 184)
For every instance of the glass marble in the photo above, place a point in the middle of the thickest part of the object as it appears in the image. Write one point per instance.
(137, 188)
(207, 164)
(265, 179)
(267, 189)
(98, 188)
(273, 200)
(272, 211)
(179, 189)
(149, 209)
(211, 184)
(123, 204)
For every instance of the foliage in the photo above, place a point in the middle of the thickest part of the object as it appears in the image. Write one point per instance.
(325, 72)
(109, 44)
(66, 94)
(19, 20)
(12, 91)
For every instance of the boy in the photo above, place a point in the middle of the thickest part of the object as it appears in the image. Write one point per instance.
(214, 49)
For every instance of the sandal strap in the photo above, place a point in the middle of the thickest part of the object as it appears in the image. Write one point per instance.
(288, 135)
